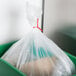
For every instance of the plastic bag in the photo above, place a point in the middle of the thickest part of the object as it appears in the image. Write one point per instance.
(36, 55)
(34, 11)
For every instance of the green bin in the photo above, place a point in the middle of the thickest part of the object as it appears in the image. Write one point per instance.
(5, 68)
(8, 70)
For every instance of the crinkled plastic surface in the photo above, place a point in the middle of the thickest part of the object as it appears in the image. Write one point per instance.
(34, 11)
(36, 55)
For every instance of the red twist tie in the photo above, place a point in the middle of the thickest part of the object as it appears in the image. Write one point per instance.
(38, 25)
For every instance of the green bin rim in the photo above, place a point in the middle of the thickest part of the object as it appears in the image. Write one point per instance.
(13, 67)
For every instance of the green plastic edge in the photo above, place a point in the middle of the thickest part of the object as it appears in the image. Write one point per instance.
(73, 58)
(5, 47)
(13, 67)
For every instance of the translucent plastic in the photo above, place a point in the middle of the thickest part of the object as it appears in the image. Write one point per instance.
(34, 11)
(36, 55)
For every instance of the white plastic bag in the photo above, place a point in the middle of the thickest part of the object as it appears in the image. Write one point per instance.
(36, 55)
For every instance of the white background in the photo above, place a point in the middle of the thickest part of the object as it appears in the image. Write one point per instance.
(16, 17)
(58, 12)
(13, 17)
